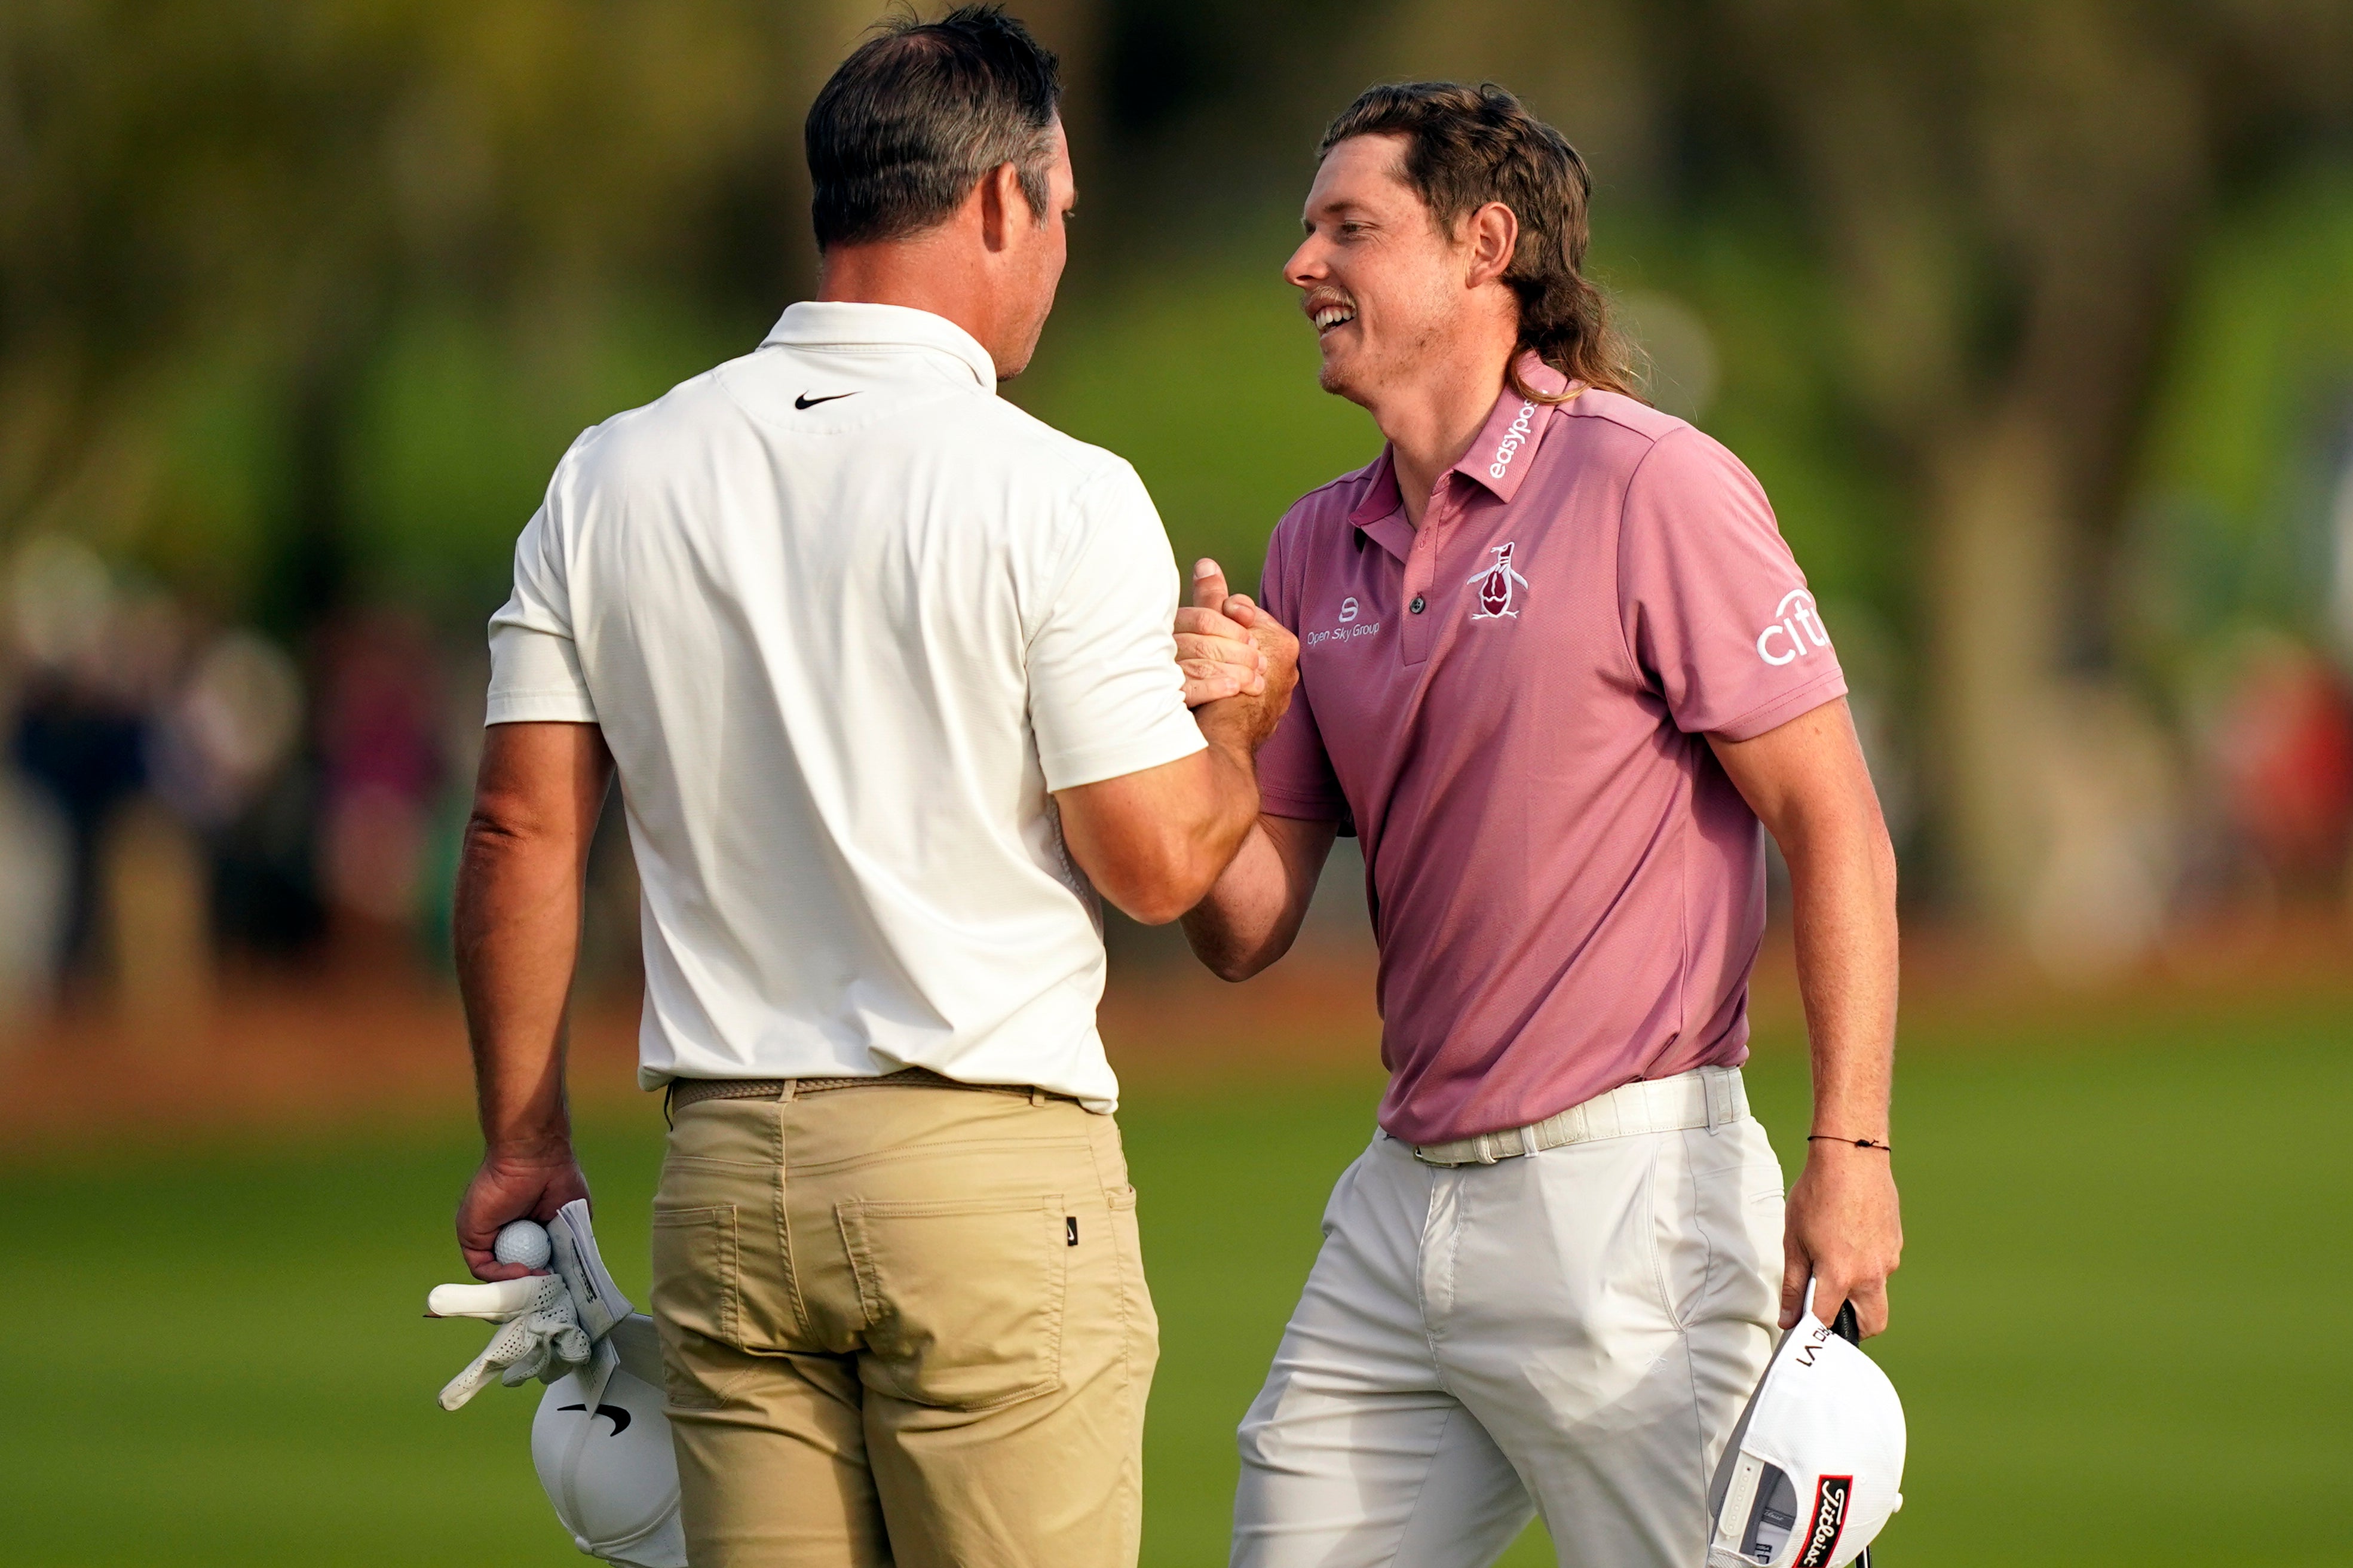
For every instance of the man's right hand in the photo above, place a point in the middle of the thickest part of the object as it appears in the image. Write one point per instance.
(1217, 654)
(1236, 655)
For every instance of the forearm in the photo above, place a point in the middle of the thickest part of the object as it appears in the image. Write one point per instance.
(517, 936)
(1152, 842)
(1253, 914)
(1843, 882)
(1228, 810)
(1246, 922)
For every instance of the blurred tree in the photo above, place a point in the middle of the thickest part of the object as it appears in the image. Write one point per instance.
(299, 300)
(2010, 195)
(296, 295)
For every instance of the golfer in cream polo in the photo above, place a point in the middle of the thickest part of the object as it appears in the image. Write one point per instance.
(883, 668)
(1556, 665)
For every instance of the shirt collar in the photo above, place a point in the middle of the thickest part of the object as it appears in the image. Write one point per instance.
(1498, 457)
(851, 324)
(1505, 449)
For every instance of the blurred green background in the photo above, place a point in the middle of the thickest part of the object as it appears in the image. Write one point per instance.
(2119, 1333)
(2035, 321)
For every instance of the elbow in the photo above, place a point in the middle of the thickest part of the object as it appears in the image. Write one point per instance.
(1235, 968)
(1157, 880)
(1227, 953)
(1156, 901)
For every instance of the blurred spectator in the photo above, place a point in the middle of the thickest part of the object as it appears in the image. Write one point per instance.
(34, 856)
(225, 758)
(79, 731)
(2283, 755)
(381, 765)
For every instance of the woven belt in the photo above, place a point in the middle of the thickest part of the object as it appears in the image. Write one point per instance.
(1707, 1097)
(686, 1091)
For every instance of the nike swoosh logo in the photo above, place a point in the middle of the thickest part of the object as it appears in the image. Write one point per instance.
(806, 400)
(613, 1412)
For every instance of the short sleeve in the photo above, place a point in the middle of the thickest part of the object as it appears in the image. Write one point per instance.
(1105, 695)
(1294, 772)
(1717, 615)
(534, 663)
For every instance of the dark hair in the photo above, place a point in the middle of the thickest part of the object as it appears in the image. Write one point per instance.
(1467, 146)
(917, 114)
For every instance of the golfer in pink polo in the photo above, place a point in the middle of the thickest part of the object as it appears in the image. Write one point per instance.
(1556, 667)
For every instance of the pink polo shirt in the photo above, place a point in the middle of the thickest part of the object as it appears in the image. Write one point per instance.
(1511, 705)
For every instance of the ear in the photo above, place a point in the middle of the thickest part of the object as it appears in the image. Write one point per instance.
(1000, 200)
(1489, 236)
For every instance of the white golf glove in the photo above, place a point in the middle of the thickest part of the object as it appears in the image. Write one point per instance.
(596, 1300)
(548, 1323)
(539, 1334)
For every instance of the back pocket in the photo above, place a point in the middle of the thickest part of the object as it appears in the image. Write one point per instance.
(695, 1268)
(962, 1300)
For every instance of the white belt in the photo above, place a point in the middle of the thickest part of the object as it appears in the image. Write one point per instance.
(1705, 1097)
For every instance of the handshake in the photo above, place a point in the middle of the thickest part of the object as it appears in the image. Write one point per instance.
(1233, 651)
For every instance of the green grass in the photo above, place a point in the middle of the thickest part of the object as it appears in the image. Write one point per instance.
(2120, 1333)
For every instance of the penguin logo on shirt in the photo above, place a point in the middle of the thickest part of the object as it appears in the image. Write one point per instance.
(1496, 585)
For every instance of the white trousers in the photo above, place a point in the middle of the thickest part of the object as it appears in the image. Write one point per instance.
(1571, 1332)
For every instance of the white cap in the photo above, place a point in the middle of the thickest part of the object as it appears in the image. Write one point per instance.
(1815, 1466)
(610, 1471)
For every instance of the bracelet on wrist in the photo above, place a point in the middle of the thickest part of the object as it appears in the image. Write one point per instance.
(1857, 1143)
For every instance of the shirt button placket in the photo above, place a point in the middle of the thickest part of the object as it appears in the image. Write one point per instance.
(1420, 569)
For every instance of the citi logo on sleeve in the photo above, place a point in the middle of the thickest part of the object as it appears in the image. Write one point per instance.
(1796, 630)
(1829, 1519)
(1497, 586)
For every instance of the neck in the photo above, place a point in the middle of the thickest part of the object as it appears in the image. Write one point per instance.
(921, 274)
(1431, 419)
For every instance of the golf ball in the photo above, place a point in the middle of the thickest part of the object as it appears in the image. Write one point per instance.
(524, 1241)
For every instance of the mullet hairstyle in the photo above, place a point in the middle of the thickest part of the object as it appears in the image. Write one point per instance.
(1467, 146)
(917, 114)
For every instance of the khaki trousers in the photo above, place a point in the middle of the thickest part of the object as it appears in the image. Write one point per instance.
(904, 1325)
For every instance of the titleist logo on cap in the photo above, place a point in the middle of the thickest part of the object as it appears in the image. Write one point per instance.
(1830, 1518)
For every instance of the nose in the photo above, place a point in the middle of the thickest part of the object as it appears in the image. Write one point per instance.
(1305, 268)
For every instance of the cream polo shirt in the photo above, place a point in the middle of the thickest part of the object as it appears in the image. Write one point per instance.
(846, 617)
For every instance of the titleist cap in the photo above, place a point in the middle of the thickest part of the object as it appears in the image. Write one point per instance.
(1816, 1465)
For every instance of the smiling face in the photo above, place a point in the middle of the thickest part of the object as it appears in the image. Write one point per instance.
(1383, 285)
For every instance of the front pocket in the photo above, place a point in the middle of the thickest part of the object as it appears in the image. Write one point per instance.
(963, 1300)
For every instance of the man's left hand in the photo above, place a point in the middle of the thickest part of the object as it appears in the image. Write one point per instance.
(1845, 1233)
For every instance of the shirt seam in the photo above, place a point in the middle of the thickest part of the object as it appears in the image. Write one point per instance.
(1320, 808)
(1617, 558)
(1832, 678)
